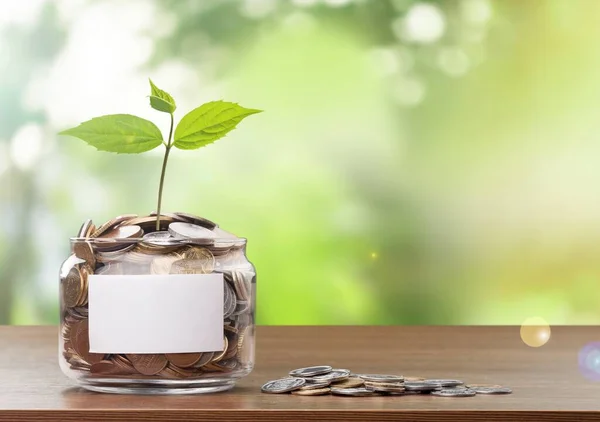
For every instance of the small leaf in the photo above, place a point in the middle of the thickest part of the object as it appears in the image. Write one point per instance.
(209, 122)
(161, 100)
(120, 133)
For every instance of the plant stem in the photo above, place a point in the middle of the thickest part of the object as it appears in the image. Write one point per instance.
(162, 174)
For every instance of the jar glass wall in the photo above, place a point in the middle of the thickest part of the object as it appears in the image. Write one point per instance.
(149, 256)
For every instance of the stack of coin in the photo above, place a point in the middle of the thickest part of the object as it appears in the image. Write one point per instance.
(323, 380)
(185, 244)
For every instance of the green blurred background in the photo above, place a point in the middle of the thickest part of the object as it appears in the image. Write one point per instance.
(419, 162)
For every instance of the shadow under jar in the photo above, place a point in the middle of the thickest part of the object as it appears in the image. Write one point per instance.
(152, 312)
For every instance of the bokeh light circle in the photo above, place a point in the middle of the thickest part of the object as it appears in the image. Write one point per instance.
(535, 332)
(589, 361)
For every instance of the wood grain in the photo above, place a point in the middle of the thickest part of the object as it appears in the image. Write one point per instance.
(546, 381)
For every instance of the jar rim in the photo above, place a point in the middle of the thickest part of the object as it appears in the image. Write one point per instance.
(239, 241)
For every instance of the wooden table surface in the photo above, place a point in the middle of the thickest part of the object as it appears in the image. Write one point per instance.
(546, 381)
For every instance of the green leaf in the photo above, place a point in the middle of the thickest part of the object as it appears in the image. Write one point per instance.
(209, 122)
(161, 100)
(120, 133)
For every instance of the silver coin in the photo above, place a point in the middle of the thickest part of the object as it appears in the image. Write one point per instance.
(311, 371)
(385, 389)
(444, 383)
(421, 386)
(201, 221)
(242, 307)
(333, 376)
(356, 392)
(315, 385)
(312, 381)
(283, 385)
(192, 232)
(229, 302)
(381, 377)
(453, 392)
(159, 239)
(225, 239)
(491, 390)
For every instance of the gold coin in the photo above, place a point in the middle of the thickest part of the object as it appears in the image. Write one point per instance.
(148, 364)
(313, 392)
(184, 360)
(111, 224)
(71, 287)
(183, 372)
(125, 367)
(220, 354)
(90, 230)
(110, 367)
(124, 232)
(389, 387)
(118, 238)
(349, 383)
(162, 264)
(201, 255)
(169, 372)
(189, 266)
(86, 228)
(232, 349)
(83, 250)
(84, 270)
(82, 344)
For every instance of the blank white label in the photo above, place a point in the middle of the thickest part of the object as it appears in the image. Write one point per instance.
(175, 313)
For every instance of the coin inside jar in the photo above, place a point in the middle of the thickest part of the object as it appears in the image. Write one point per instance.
(124, 232)
(194, 219)
(86, 229)
(199, 234)
(159, 239)
(112, 224)
(72, 286)
(184, 360)
(150, 364)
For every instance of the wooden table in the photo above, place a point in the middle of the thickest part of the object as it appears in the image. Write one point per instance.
(546, 381)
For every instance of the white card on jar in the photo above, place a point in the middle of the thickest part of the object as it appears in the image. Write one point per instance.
(174, 313)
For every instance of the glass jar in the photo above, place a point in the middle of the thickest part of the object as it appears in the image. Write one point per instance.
(149, 312)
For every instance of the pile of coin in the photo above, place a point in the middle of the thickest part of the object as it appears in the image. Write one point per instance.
(324, 380)
(131, 245)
